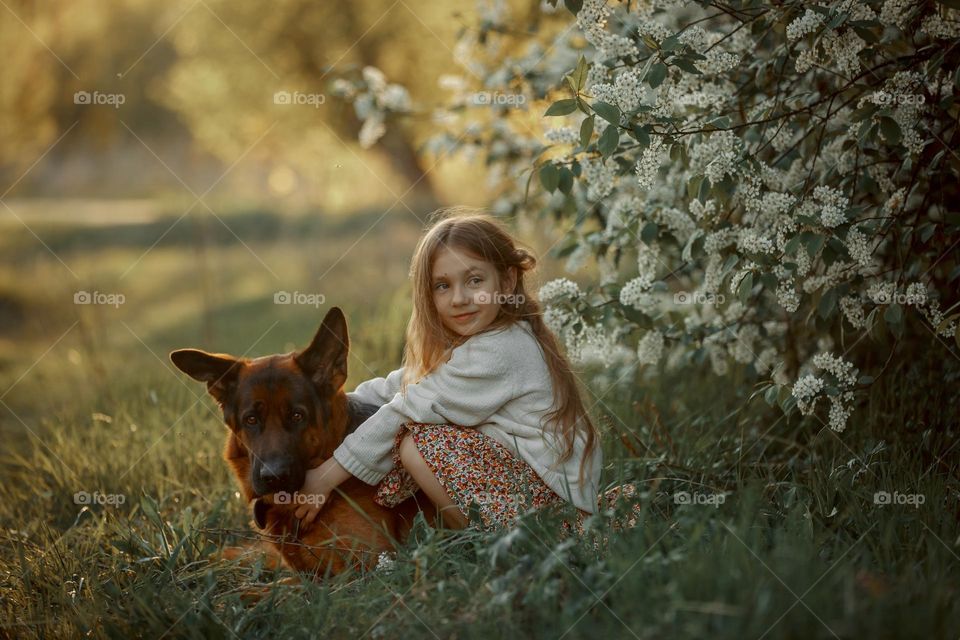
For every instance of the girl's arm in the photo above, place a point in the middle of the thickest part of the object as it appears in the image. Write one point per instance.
(378, 391)
(480, 377)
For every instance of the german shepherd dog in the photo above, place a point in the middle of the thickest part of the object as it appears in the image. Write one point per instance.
(286, 414)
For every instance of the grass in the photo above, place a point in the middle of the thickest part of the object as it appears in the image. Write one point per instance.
(797, 548)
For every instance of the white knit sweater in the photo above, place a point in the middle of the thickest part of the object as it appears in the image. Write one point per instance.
(496, 381)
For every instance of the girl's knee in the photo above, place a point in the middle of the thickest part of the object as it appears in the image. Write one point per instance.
(408, 451)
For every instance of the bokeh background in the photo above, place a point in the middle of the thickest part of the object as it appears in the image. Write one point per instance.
(145, 160)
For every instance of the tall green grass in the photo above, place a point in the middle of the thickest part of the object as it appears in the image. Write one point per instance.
(796, 547)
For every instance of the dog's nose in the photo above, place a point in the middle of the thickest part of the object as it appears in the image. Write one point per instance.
(273, 474)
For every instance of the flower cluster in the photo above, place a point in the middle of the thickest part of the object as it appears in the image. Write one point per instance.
(373, 98)
(559, 288)
(807, 23)
(650, 347)
(794, 178)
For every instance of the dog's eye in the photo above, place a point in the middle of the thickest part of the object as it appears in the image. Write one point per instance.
(297, 416)
(251, 420)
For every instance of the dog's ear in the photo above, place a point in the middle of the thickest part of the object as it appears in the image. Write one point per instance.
(325, 360)
(218, 370)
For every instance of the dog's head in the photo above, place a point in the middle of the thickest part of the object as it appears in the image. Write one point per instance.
(285, 413)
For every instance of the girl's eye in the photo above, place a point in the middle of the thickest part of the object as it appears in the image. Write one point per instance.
(251, 420)
(440, 284)
(478, 280)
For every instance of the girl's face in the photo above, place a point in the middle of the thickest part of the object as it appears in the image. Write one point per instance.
(466, 291)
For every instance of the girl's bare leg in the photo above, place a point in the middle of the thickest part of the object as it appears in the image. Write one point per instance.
(421, 473)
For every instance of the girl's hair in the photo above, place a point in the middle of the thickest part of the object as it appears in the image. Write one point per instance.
(429, 343)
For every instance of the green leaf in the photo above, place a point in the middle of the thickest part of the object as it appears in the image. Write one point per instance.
(609, 141)
(586, 131)
(720, 123)
(566, 180)
(649, 232)
(579, 75)
(894, 314)
(792, 246)
(814, 244)
(642, 135)
(867, 34)
(562, 107)
(890, 130)
(729, 263)
(686, 65)
(657, 75)
(746, 286)
(771, 395)
(608, 112)
(549, 177)
(828, 303)
(769, 281)
(894, 317)
(837, 20)
(670, 43)
(704, 190)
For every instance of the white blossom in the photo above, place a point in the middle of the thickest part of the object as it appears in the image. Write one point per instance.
(807, 23)
(559, 288)
(650, 347)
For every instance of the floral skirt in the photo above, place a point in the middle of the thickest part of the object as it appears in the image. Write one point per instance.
(489, 483)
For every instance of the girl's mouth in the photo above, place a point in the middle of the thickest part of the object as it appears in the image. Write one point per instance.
(465, 316)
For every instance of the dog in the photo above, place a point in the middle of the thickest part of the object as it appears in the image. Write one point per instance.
(286, 414)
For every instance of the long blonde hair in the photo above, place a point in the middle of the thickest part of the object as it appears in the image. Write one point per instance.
(429, 342)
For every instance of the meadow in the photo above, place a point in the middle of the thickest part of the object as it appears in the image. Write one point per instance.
(752, 525)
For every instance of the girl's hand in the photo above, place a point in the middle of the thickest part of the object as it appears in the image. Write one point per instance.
(317, 487)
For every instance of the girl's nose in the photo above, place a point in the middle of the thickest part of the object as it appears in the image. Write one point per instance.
(459, 296)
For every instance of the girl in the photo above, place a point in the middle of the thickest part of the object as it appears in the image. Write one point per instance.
(485, 409)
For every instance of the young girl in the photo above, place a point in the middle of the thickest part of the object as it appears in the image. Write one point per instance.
(485, 410)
